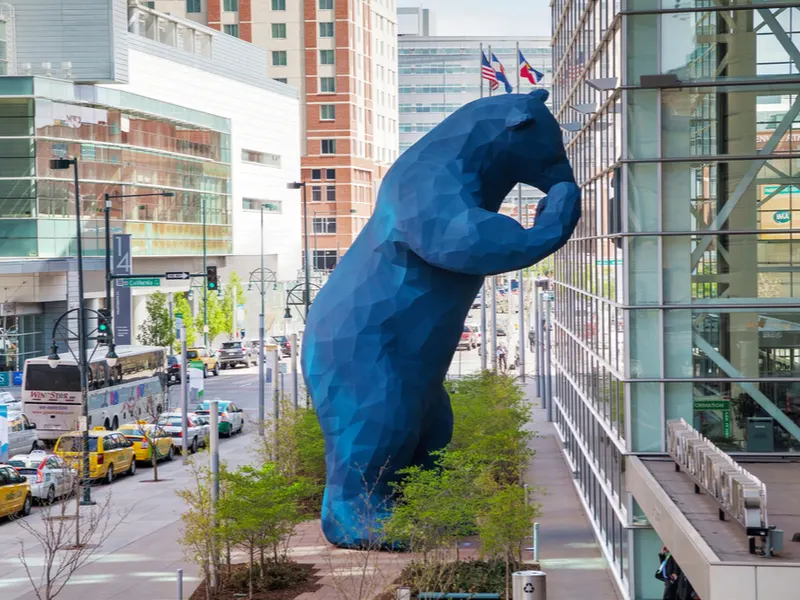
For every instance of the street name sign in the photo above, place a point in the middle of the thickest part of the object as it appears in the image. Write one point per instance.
(140, 282)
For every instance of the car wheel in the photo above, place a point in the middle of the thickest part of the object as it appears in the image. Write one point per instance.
(109, 478)
(224, 366)
(132, 468)
(115, 424)
(216, 370)
(205, 372)
(51, 495)
(193, 446)
(171, 452)
(26, 506)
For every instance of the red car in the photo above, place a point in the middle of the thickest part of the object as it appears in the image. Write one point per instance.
(469, 338)
(284, 344)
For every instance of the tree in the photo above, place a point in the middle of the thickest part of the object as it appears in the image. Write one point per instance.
(216, 317)
(183, 307)
(158, 329)
(228, 309)
(65, 542)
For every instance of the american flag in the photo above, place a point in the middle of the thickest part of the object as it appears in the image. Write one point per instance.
(488, 72)
(576, 69)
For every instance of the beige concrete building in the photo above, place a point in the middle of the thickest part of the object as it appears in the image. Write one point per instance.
(342, 57)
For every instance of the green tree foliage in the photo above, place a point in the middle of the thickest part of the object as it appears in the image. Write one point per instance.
(182, 306)
(158, 329)
(234, 283)
(216, 317)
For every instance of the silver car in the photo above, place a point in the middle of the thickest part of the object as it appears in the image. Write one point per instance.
(198, 430)
(50, 477)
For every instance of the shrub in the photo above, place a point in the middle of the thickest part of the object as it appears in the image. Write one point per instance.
(465, 577)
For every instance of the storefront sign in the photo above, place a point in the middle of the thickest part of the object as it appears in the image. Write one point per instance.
(122, 265)
(724, 406)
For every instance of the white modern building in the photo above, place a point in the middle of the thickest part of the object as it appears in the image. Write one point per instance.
(160, 105)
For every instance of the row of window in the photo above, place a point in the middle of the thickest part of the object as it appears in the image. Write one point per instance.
(279, 57)
(324, 224)
(261, 158)
(316, 193)
(195, 6)
(464, 50)
(436, 107)
(330, 174)
(271, 206)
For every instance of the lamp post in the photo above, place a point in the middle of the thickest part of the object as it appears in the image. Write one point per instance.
(296, 186)
(262, 370)
(107, 215)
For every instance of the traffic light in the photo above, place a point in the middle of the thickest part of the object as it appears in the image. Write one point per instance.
(211, 278)
(104, 326)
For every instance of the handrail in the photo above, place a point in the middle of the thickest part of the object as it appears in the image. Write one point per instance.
(738, 492)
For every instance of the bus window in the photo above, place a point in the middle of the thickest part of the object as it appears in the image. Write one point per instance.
(43, 378)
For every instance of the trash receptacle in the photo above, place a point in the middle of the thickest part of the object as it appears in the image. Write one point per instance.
(529, 585)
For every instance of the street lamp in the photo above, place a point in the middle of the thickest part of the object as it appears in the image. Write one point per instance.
(107, 215)
(296, 185)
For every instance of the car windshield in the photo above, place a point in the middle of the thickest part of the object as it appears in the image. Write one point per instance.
(231, 345)
(205, 407)
(43, 378)
(171, 422)
(191, 354)
(172, 360)
(466, 329)
(281, 339)
(74, 443)
(22, 464)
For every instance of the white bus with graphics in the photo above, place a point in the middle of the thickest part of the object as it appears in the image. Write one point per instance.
(135, 387)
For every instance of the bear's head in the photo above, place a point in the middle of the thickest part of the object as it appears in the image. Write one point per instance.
(532, 149)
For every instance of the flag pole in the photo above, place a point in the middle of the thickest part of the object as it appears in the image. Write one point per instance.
(521, 275)
(493, 281)
(484, 343)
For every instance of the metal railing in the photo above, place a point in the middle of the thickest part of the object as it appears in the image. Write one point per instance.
(739, 493)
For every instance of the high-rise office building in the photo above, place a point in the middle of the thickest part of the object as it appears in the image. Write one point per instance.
(676, 296)
(415, 20)
(438, 75)
(341, 55)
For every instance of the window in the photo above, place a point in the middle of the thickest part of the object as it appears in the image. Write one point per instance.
(230, 5)
(316, 174)
(327, 112)
(326, 57)
(326, 4)
(281, 79)
(316, 193)
(330, 174)
(324, 224)
(151, 4)
(278, 58)
(261, 158)
(232, 30)
(328, 146)
(326, 30)
(278, 4)
(270, 206)
(193, 6)
(330, 193)
(327, 84)
(279, 31)
(324, 260)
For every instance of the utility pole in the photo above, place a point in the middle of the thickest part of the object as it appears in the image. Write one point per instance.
(262, 372)
(205, 270)
(233, 313)
(184, 396)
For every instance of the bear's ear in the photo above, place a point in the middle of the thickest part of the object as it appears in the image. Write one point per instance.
(540, 94)
(519, 118)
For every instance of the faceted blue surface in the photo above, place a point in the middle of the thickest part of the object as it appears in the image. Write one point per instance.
(382, 332)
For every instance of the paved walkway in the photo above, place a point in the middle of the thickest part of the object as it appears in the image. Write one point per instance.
(568, 550)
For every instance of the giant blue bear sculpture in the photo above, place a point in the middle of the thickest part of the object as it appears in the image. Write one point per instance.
(382, 332)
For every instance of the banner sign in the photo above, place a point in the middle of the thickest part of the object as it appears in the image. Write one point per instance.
(3, 433)
(122, 264)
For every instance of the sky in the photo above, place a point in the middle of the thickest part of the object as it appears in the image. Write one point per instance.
(510, 18)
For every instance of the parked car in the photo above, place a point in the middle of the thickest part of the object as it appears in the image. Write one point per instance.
(501, 332)
(237, 353)
(210, 362)
(15, 493)
(197, 432)
(145, 436)
(110, 453)
(22, 436)
(173, 369)
(284, 344)
(468, 339)
(50, 477)
(13, 404)
(231, 417)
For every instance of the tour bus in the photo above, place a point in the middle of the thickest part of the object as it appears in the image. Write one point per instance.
(135, 387)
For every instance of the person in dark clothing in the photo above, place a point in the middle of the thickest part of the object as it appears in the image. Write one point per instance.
(685, 590)
(668, 572)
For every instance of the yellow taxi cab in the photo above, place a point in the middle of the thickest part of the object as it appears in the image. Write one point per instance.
(110, 453)
(15, 493)
(145, 436)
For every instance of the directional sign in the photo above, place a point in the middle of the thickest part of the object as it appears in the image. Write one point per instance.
(139, 282)
(177, 275)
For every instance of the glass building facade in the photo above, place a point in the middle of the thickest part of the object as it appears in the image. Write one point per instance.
(677, 295)
(126, 144)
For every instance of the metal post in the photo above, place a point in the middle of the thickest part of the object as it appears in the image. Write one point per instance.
(484, 340)
(107, 215)
(275, 388)
(536, 542)
(233, 315)
(547, 376)
(205, 270)
(184, 397)
(170, 305)
(295, 375)
(523, 334)
(537, 327)
(82, 361)
(213, 411)
(262, 371)
(180, 584)
(307, 299)
(493, 292)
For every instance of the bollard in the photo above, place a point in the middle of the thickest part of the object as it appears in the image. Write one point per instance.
(180, 584)
(213, 411)
(536, 542)
(529, 585)
(403, 593)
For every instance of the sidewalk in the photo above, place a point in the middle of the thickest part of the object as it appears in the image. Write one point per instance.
(568, 550)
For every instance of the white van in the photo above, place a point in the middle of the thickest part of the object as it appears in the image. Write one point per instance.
(22, 436)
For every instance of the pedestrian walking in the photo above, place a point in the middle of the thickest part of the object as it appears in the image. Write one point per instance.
(668, 572)
(502, 361)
